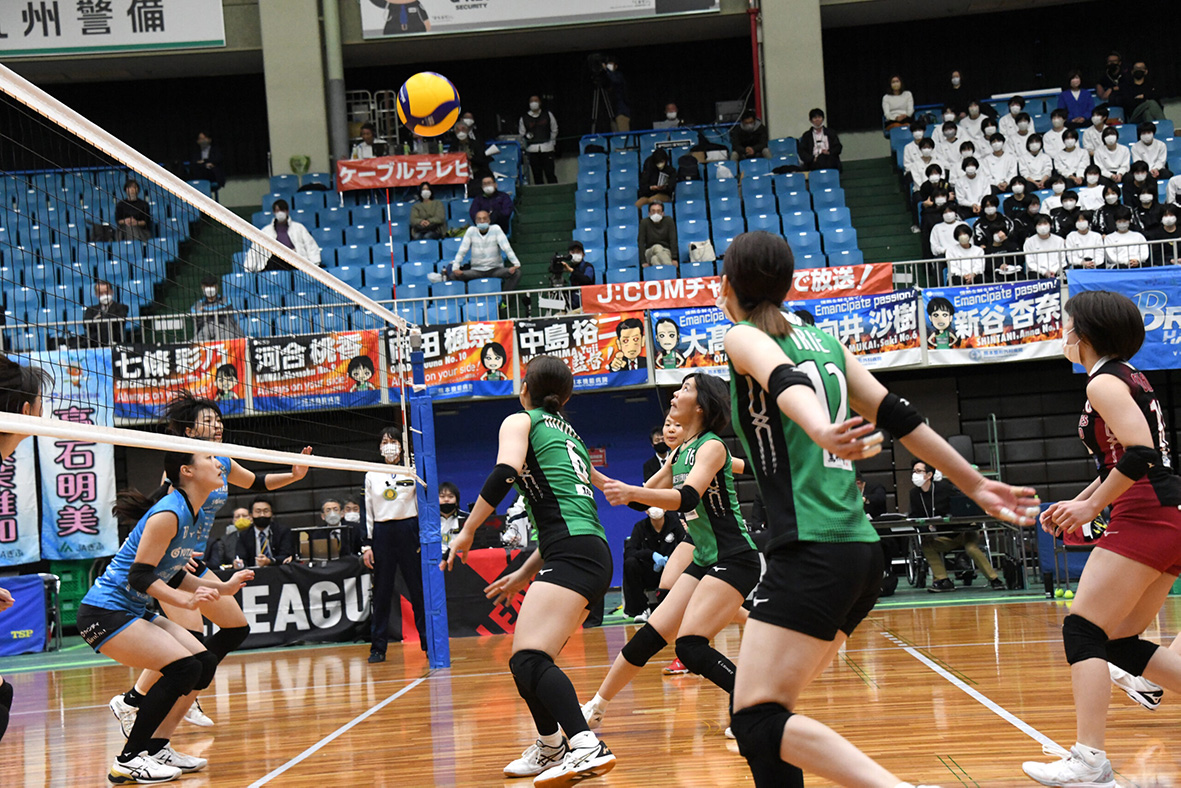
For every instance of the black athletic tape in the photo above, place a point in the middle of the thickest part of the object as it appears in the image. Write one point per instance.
(1083, 640)
(689, 499)
(260, 482)
(141, 576)
(643, 646)
(1131, 654)
(897, 416)
(498, 483)
(1137, 461)
(784, 377)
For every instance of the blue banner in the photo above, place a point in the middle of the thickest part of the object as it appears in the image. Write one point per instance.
(685, 341)
(989, 323)
(881, 330)
(316, 371)
(20, 532)
(1157, 292)
(23, 627)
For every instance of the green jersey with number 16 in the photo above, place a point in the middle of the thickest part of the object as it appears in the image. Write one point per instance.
(810, 494)
(556, 481)
(716, 525)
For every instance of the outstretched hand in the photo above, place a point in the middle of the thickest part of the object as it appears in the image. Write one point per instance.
(502, 590)
(852, 439)
(1017, 505)
(300, 471)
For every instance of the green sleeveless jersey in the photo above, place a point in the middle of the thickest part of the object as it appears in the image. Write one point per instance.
(810, 494)
(556, 483)
(716, 524)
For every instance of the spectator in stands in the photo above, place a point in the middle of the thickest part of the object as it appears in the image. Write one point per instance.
(1003, 263)
(645, 553)
(288, 232)
(971, 188)
(539, 129)
(657, 179)
(1008, 123)
(957, 94)
(213, 315)
(1084, 246)
(105, 320)
(1090, 196)
(1072, 161)
(574, 265)
(819, 148)
(1044, 251)
(221, 552)
(206, 161)
(1025, 225)
(348, 536)
(1017, 202)
(910, 152)
(1109, 87)
(1113, 159)
(672, 118)
(924, 158)
(370, 147)
(1018, 141)
(657, 239)
(1000, 167)
(486, 241)
(617, 89)
(750, 139)
(1173, 191)
(1146, 212)
(1063, 218)
(947, 147)
(1104, 218)
(133, 216)
(873, 497)
(451, 517)
(428, 216)
(1033, 164)
(660, 452)
(1125, 248)
(1057, 187)
(943, 234)
(495, 203)
(971, 125)
(897, 104)
(965, 260)
(937, 201)
(267, 543)
(462, 140)
(988, 127)
(1138, 182)
(1151, 151)
(1093, 134)
(1052, 140)
(469, 120)
(1076, 102)
(1141, 101)
(991, 221)
(1168, 251)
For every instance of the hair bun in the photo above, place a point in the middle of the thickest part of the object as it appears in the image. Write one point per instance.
(552, 403)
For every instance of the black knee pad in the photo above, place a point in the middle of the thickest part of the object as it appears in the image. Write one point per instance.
(1131, 654)
(5, 696)
(528, 665)
(694, 652)
(759, 729)
(180, 677)
(200, 636)
(643, 646)
(223, 641)
(1083, 640)
(208, 662)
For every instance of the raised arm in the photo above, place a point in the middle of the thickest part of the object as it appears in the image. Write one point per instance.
(261, 482)
(710, 459)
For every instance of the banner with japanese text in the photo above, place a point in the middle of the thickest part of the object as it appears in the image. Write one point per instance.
(687, 341)
(20, 536)
(602, 351)
(1157, 293)
(411, 170)
(992, 323)
(77, 475)
(881, 330)
(460, 360)
(336, 370)
(148, 376)
(53, 28)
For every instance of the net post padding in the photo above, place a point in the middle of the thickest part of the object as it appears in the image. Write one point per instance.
(55, 111)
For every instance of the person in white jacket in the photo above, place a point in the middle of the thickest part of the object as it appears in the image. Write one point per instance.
(1044, 251)
(910, 152)
(971, 125)
(971, 187)
(1151, 151)
(1113, 159)
(918, 166)
(1052, 139)
(1072, 161)
(943, 234)
(1125, 248)
(1093, 134)
(1033, 164)
(1090, 195)
(897, 104)
(1084, 246)
(1173, 190)
(1000, 166)
(1057, 186)
(965, 261)
(1018, 140)
(1008, 123)
(291, 234)
(947, 146)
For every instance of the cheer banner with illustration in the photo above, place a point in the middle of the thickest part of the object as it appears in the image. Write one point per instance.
(336, 370)
(1157, 293)
(994, 323)
(148, 376)
(687, 341)
(601, 350)
(881, 330)
(459, 360)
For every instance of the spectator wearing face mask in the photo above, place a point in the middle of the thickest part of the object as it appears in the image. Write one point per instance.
(1025, 224)
(1076, 102)
(965, 260)
(947, 146)
(659, 452)
(1113, 159)
(1173, 191)
(957, 93)
(1146, 212)
(1084, 246)
(943, 234)
(750, 138)
(1137, 182)
(897, 104)
(213, 315)
(1017, 202)
(671, 119)
(1141, 100)
(460, 139)
(1003, 261)
(1033, 164)
(288, 232)
(972, 125)
(1090, 196)
(574, 265)
(999, 167)
(645, 553)
(992, 220)
(1125, 248)
(353, 514)
(1007, 124)
(937, 199)
(1045, 253)
(910, 152)
(1092, 139)
(617, 88)
(917, 168)
(451, 517)
(1057, 187)
(370, 146)
(221, 552)
(539, 129)
(971, 187)
(428, 216)
(658, 180)
(1018, 141)
(818, 147)
(347, 535)
(1168, 232)
(498, 204)
(1072, 161)
(1052, 139)
(1065, 215)
(1104, 218)
(657, 239)
(486, 242)
(105, 320)
(1151, 151)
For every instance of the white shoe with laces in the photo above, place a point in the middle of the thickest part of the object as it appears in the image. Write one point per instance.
(1138, 688)
(1076, 769)
(536, 759)
(141, 770)
(196, 716)
(186, 763)
(124, 712)
(593, 714)
(587, 757)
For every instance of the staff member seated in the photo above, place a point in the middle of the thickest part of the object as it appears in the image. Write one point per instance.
(645, 553)
(267, 543)
(931, 498)
(347, 535)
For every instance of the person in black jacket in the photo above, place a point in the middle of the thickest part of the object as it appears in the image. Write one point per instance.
(750, 138)
(267, 543)
(873, 497)
(104, 321)
(205, 161)
(656, 461)
(348, 535)
(658, 180)
(818, 147)
(931, 498)
(133, 216)
(645, 553)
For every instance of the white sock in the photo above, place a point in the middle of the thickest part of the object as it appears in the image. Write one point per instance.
(1092, 755)
(584, 739)
(904, 785)
(553, 740)
(599, 702)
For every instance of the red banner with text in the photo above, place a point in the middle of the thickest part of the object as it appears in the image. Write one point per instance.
(401, 171)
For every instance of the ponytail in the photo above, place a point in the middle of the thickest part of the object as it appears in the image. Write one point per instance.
(552, 404)
(131, 505)
(768, 318)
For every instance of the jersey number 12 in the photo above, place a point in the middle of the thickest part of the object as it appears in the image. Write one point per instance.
(822, 378)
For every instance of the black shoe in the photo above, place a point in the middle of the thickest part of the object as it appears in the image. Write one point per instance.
(376, 656)
(996, 584)
(939, 586)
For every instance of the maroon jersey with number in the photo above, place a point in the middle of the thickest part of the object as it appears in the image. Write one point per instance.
(1106, 448)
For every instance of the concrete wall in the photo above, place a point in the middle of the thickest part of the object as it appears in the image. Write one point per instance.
(294, 72)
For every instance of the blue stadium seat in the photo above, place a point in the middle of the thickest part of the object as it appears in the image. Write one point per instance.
(379, 275)
(261, 219)
(621, 234)
(828, 198)
(621, 195)
(481, 309)
(728, 224)
(400, 212)
(327, 236)
(448, 287)
(592, 139)
(458, 208)
(1127, 134)
(846, 257)
(812, 260)
(691, 209)
(759, 201)
(691, 190)
(328, 320)
(625, 214)
(487, 285)
(700, 268)
(839, 239)
(443, 313)
(828, 218)
(361, 235)
(724, 205)
(622, 256)
(323, 178)
(726, 188)
(351, 275)
(803, 242)
(284, 183)
(381, 253)
(689, 231)
(823, 179)
(373, 214)
(307, 201)
(721, 243)
(754, 167)
(782, 146)
(294, 323)
(798, 220)
(595, 255)
(353, 255)
(592, 180)
(622, 275)
(415, 273)
(591, 217)
(590, 198)
(789, 182)
(339, 219)
(411, 312)
(589, 236)
(794, 201)
(423, 251)
(587, 161)
(625, 177)
(268, 200)
(1164, 128)
(654, 272)
(764, 221)
(449, 247)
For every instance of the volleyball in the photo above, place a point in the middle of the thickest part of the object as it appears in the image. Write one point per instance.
(428, 104)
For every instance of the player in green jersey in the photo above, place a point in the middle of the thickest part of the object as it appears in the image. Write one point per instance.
(571, 569)
(793, 386)
(699, 482)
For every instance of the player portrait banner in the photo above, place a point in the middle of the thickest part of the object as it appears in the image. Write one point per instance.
(336, 370)
(148, 376)
(881, 330)
(603, 351)
(20, 532)
(1157, 292)
(53, 28)
(460, 360)
(385, 171)
(685, 341)
(993, 323)
(380, 19)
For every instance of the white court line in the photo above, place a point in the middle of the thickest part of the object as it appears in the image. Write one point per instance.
(336, 734)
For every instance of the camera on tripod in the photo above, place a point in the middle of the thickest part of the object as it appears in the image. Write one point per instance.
(557, 266)
(596, 63)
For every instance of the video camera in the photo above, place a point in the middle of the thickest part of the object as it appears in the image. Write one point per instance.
(557, 265)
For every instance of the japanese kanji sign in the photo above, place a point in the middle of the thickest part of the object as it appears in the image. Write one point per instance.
(401, 171)
(686, 341)
(881, 330)
(148, 376)
(30, 28)
(316, 371)
(991, 323)
(460, 360)
(20, 541)
(601, 350)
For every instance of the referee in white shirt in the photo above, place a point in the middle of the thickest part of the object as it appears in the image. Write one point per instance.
(391, 511)
(486, 241)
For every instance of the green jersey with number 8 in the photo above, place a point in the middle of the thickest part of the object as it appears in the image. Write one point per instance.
(810, 494)
(556, 481)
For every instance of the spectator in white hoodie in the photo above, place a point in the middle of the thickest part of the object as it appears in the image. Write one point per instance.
(1093, 134)
(1125, 248)
(1019, 140)
(965, 261)
(1000, 166)
(1033, 163)
(1113, 159)
(1053, 201)
(1044, 251)
(1151, 151)
(1008, 123)
(1090, 195)
(971, 187)
(947, 146)
(1084, 246)
(910, 152)
(1052, 139)
(943, 234)
(971, 125)
(1071, 162)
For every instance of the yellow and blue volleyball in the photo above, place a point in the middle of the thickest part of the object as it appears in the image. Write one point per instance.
(428, 104)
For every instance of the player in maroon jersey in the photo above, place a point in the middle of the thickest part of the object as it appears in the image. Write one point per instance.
(1138, 559)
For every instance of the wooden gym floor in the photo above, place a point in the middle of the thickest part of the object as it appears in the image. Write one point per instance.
(948, 695)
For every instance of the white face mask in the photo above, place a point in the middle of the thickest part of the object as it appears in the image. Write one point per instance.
(426, 194)
(534, 106)
(918, 135)
(1018, 188)
(918, 479)
(948, 117)
(1097, 120)
(970, 170)
(950, 217)
(997, 147)
(989, 131)
(1092, 180)
(1058, 188)
(1035, 147)
(489, 189)
(1068, 204)
(1068, 144)
(576, 257)
(966, 153)
(1111, 199)
(1146, 200)
(940, 201)
(1122, 226)
(332, 518)
(1014, 109)
(469, 122)
(105, 299)
(934, 177)
(1147, 138)
(1023, 126)
(955, 82)
(1168, 221)
(670, 116)
(949, 135)
(965, 241)
(1082, 227)
(280, 216)
(1070, 349)
(352, 517)
(926, 152)
(990, 211)
(656, 217)
(1110, 142)
(610, 66)
(655, 513)
(1140, 177)
(461, 135)
(210, 292)
(1057, 122)
(973, 112)
(1043, 230)
(391, 451)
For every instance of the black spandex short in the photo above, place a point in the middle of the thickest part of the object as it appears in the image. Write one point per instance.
(580, 563)
(741, 571)
(819, 588)
(97, 625)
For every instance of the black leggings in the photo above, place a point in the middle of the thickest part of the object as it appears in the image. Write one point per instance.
(395, 546)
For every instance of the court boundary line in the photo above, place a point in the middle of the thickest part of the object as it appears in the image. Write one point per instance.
(336, 734)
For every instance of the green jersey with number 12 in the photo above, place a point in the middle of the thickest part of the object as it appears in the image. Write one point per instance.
(810, 494)
(556, 481)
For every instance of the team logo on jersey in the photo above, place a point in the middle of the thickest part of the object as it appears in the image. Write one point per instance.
(389, 493)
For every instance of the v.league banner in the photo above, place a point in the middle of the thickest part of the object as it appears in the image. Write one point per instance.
(991, 323)
(1157, 293)
(687, 341)
(881, 330)
(601, 350)
(337, 370)
(460, 360)
(148, 376)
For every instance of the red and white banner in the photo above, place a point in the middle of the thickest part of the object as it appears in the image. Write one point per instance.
(401, 171)
(808, 283)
